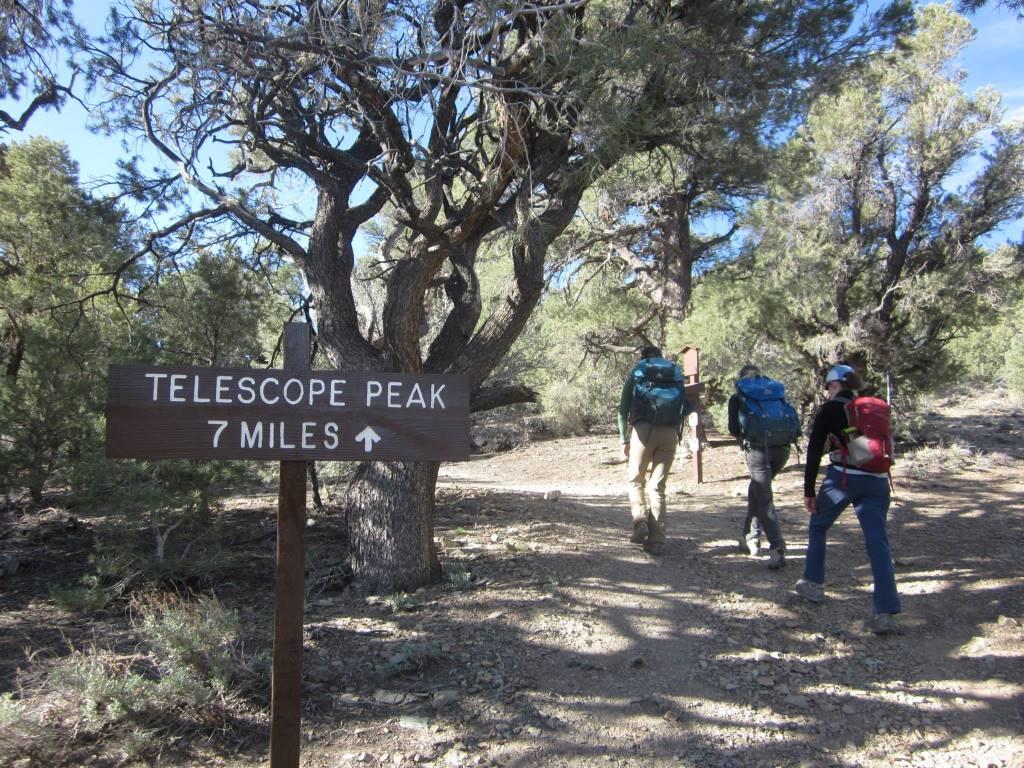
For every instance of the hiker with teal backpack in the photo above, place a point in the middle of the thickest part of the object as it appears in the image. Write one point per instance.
(857, 430)
(766, 425)
(651, 413)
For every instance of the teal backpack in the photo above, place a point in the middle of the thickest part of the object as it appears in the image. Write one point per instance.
(658, 393)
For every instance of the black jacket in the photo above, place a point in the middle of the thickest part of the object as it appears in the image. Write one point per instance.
(734, 416)
(829, 420)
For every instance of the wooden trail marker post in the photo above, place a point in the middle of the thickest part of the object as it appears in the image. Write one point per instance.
(289, 586)
(293, 416)
(693, 390)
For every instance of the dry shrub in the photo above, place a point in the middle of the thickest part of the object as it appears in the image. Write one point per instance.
(187, 670)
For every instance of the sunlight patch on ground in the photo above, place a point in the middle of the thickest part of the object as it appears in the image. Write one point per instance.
(989, 585)
(963, 691)
(923, 586)
(651, 628)
(983, 647)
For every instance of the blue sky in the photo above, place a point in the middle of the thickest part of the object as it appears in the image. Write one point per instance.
(994, 58)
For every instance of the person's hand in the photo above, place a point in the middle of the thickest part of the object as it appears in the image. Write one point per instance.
(809, 505)
(625, 450)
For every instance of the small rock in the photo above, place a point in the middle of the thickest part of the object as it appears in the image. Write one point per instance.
(413, 723)
(390, 697)
(637, 662)
(800, 702)
(445, 697)
(454, 756)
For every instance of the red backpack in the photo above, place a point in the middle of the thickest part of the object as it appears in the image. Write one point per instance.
(869, 444)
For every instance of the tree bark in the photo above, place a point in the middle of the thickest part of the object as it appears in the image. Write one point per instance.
(488, 398)
(391, 526)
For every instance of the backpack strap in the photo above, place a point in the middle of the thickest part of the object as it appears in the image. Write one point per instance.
(843, 452)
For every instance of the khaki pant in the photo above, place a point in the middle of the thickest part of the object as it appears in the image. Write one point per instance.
(650, 448)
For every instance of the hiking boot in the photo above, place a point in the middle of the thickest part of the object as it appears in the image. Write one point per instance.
(750, 547)
(809, 590)
(776, 559)
(884, 624)
(654, 547)
(639, 532)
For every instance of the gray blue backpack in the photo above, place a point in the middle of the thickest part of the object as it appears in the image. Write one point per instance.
(766, 417)
(658, 393)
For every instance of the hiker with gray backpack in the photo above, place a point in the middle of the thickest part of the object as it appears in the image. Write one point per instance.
(651, 412)
(766, 424)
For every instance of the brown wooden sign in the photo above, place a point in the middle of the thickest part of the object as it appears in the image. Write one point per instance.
(245, 413)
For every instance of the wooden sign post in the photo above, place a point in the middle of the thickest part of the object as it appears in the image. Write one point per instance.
(694, 388)
(289, 586)
(292, 415)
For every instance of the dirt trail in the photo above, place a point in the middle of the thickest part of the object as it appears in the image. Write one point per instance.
(555, 642)
(576, 649)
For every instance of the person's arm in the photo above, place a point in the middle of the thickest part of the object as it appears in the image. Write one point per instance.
(625, 404)
(686, 407)
(830, 419)
(734, 417)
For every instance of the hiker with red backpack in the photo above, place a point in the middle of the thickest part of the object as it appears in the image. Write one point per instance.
(651, 412)
(858, 433)
(766, 424)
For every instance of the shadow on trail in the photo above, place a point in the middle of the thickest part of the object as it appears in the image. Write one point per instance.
(566, 645)
(682, 647)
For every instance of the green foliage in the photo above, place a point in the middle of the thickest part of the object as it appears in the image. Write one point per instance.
(574, 406)
(1013, 362)
(101, 688)
(192, 640)
(219, 312)
(151, 543)
(579, 388)
(399, 602)
(58, 327)
(188, 662)
(10, 710)
(62, 323)
(458, 576)
(990, 350)
(860, 251)
(736, 321)
(411, 658)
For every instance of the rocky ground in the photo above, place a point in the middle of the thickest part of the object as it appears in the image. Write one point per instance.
(557, 643)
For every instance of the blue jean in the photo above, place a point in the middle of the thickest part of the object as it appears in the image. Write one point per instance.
(870, 498)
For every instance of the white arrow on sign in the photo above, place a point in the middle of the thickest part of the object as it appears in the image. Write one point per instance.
(368, 438)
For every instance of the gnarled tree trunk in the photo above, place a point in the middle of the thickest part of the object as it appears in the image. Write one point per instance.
(391, 525)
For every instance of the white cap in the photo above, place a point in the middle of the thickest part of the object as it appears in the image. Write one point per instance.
(838, 373)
